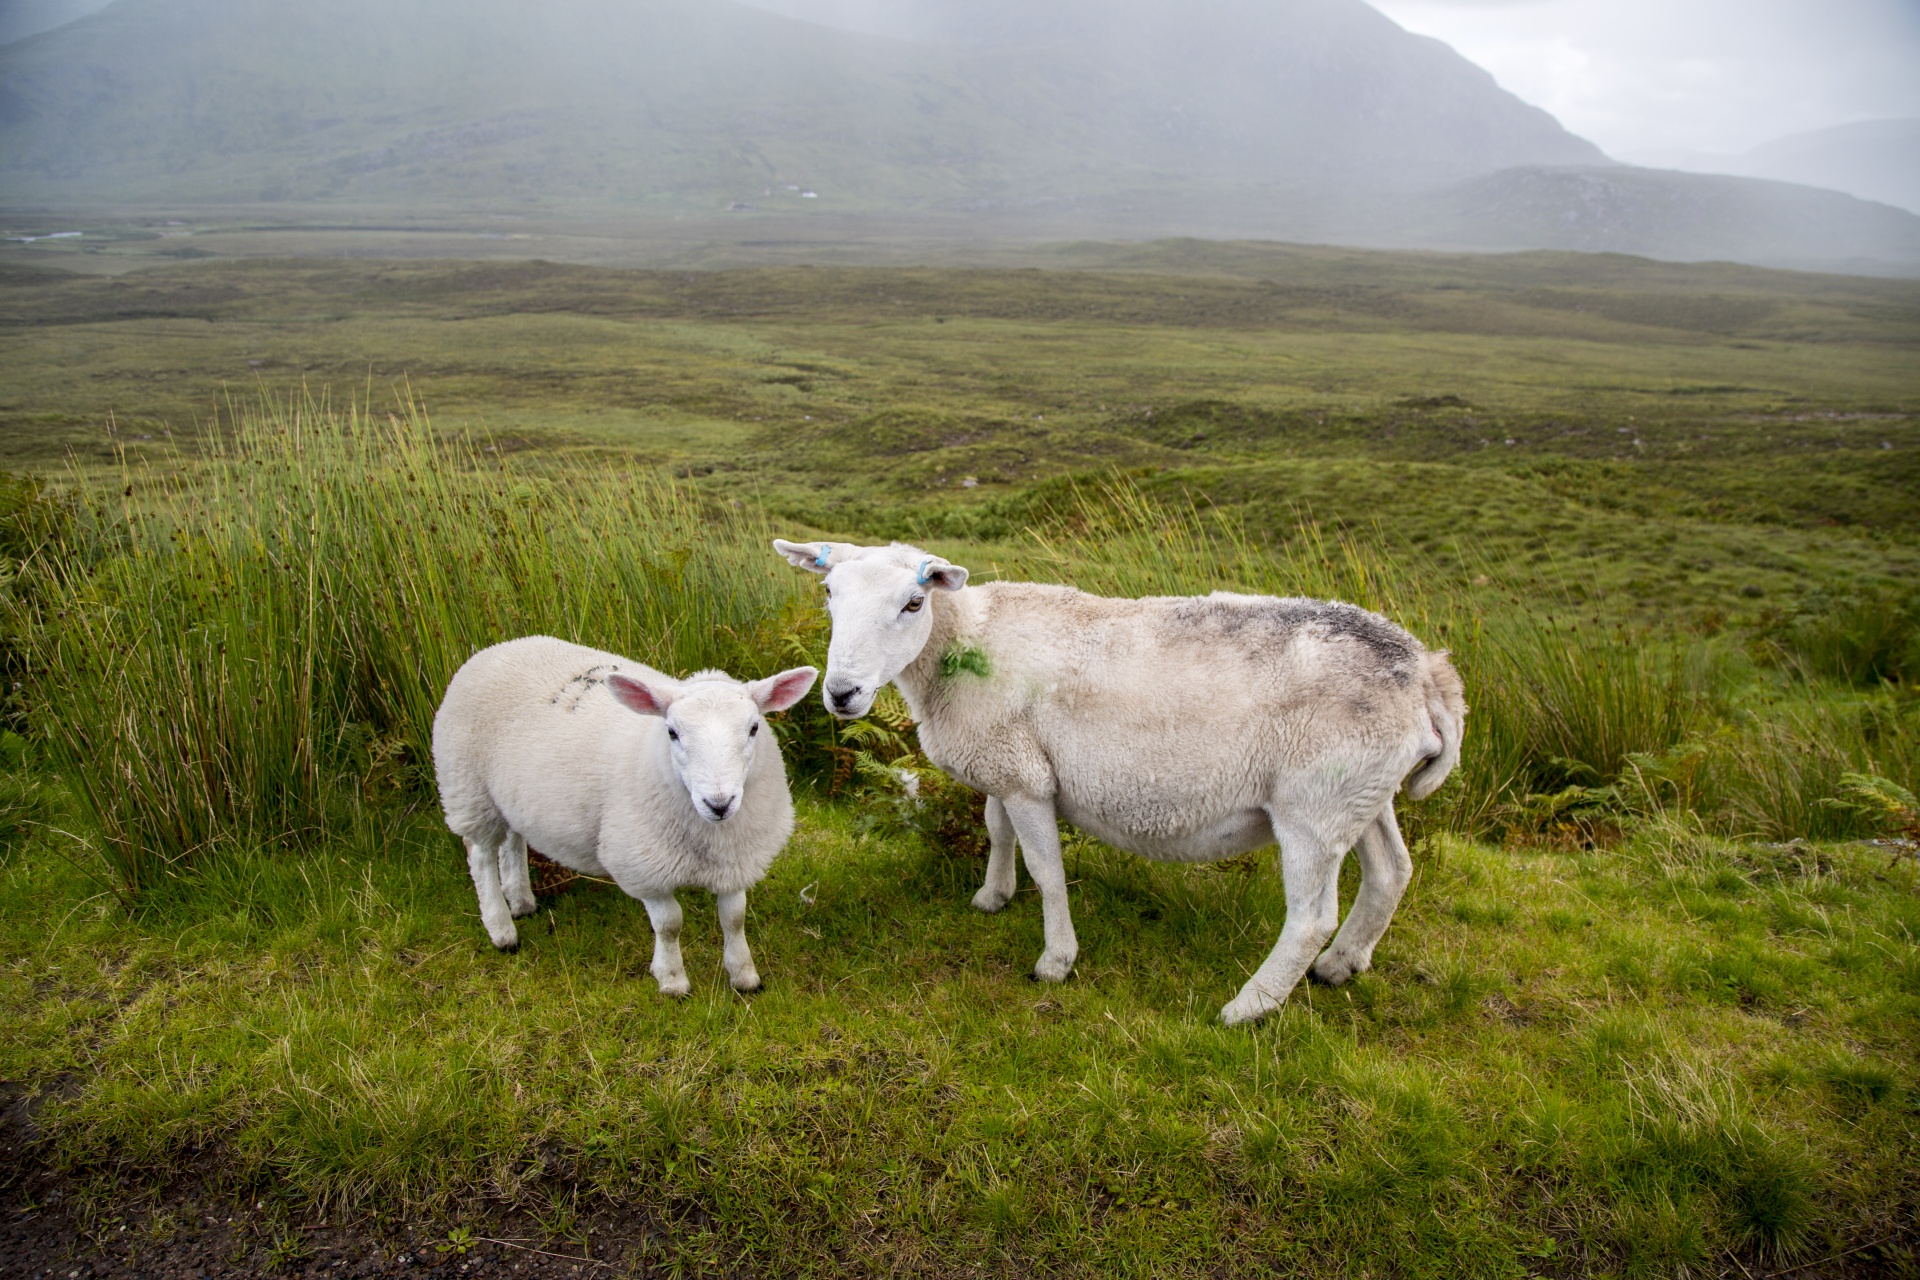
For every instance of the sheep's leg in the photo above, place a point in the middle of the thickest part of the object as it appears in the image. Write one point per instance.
(733, 929)
(1385, 870)
(998, 889)
(1310, 870)
(515, 880)
(484, 864)
(1039, 834)
(664, 913)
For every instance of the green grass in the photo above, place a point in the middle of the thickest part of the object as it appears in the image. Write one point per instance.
(242, 655)
(1689, 443)
(1570, 1062)
(1646, 1008)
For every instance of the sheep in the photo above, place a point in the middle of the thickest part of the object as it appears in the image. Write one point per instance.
(1185, 729)
(613, 769)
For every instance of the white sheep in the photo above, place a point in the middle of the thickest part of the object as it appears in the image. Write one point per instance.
(538, 741)
(1185, 729)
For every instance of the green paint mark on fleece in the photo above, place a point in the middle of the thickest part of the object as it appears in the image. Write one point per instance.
(963, 657)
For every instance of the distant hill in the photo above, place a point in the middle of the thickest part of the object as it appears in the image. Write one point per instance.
(22, 18)
(1872, 159)
(1284, 119)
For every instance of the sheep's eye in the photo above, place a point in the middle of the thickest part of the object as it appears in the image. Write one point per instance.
(913, 605)
(674, 734)
(753, 729)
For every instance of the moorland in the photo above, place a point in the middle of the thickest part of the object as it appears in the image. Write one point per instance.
(1649, 1005)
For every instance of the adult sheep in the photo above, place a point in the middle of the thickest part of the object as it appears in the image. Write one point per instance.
(613, 769)
(1185, 729)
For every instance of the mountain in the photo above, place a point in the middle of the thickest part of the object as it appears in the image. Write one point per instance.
(22, 18)
(1238, 90)
(1873, 159)
(1280, 119)
(689, 102)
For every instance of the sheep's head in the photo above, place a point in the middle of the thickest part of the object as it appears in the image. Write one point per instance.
(714, 724)
(878, 598)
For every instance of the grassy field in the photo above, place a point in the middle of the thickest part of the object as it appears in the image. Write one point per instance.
(1649, 1006)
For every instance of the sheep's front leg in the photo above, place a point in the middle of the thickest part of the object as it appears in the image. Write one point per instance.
(483, 864)
(1310, 869)
(998, 889)
(1385, 870)
(1039, 835)
(515, 881)
(733, 928)
(664, 913)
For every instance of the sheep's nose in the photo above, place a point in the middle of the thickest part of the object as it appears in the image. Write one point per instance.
(719, 806)
(843, 698)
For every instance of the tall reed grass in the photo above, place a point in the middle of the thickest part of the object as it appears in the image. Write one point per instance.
(235, 654)
(246, 651)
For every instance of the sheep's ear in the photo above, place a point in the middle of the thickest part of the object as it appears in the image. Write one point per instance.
(814, 557)
(938, 573)
(777, 693)
(647, 699)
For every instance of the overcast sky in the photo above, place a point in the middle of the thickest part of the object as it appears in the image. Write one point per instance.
(1650, 80)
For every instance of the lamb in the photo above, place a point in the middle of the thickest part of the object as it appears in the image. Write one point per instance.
(1185, 729)
(613, 769)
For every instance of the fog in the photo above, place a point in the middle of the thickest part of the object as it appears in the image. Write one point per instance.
(1676, 81)
(1286, 119)
(1664, 82)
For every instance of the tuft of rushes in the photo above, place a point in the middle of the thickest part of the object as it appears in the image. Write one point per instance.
(236, 656)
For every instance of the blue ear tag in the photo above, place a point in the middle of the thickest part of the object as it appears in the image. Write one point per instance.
(820, 561)
(923, 572)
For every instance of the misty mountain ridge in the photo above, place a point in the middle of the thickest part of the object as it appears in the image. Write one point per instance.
(1872, 159)
(1300, 119)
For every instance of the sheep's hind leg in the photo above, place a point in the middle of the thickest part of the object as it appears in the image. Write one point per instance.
(664, 914)
(515, 880)
(484, 865)
(1311, 872)
(733, 929)
(998, 889)
(1385, 870)
(1039, 834)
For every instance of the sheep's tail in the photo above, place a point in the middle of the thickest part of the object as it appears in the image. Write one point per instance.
(1447, 709)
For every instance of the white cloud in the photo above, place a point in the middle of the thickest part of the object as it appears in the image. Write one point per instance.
(1651, 80)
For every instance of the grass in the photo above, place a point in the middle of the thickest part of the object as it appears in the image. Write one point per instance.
(1646, 1010)
(230, 648)
(1565, 1061)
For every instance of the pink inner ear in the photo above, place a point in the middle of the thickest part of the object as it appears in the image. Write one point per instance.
(787, 688)
(635, 696)
(944, 577)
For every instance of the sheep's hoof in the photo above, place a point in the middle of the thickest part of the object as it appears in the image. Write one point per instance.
(522, 912)
(1333, 971)
(753, 988)
(678, 990)
(989, 900)
(1245, 1008)
(507, 948)
(1052, 969)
